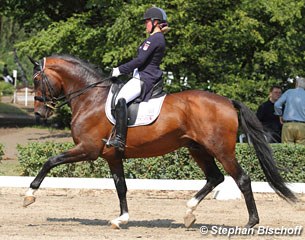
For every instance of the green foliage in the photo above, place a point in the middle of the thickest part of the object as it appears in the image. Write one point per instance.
(60, 37)
(63, 117)
(237, 88)
(220, 43)
(10, 33)
(37, 15)
(6, 89)
(289, 157)
(33, 156)
(176, 165)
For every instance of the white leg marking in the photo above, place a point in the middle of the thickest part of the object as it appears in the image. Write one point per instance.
(189, 217)
(30, 192)
(123, 219)
(192, 204)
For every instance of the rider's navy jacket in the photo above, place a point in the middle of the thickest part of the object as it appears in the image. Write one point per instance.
(148, 60)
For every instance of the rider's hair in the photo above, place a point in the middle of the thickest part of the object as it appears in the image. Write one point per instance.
(164, 27)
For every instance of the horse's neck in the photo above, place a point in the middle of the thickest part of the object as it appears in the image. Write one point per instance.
(94, 97)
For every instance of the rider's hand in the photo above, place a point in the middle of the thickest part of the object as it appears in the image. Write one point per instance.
(115, 72)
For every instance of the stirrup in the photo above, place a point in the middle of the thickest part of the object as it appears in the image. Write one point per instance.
(117, 143)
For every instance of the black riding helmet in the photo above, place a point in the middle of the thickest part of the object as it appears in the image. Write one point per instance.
(155, 13)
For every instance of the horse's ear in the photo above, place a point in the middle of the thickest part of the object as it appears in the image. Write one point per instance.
(36, 63)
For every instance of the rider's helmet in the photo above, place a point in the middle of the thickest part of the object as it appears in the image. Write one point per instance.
(155, 13)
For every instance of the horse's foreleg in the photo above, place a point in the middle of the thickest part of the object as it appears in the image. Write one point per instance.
(74, 155)
(29, 195)
(214, 177)
(117, 171)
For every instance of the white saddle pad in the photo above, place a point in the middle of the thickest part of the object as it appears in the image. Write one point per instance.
(147, 113)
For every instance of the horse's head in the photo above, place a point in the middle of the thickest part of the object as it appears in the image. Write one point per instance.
(64, 77)
(46, 89)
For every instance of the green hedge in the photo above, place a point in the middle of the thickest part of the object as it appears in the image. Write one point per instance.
(6, 88)
(176, 165)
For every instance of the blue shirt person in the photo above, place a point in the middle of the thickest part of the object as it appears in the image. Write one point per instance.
(293, 116)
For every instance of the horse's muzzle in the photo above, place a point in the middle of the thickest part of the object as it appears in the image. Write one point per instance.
(43, 112)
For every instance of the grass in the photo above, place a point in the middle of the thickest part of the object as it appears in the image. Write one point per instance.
(10, 109)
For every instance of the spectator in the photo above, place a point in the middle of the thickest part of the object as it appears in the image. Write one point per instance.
(293, 116)
(6, 76)
(266, 115)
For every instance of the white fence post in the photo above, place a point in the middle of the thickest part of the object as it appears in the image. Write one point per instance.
(26, 97)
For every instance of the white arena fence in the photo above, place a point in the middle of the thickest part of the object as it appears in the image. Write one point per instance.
(226, 190)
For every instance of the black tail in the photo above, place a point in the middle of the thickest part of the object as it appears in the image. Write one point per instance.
(252, 126)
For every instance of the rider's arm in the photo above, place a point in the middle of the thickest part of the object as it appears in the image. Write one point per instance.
(144, 52)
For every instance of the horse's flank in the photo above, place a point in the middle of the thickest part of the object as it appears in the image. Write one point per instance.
(179, 112)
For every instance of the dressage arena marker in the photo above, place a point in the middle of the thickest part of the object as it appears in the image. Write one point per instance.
(225, 191)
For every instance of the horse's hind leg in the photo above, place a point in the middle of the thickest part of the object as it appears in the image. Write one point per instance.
(213, 175)
(243, 181)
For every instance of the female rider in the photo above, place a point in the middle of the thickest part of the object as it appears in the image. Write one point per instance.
(146, 72)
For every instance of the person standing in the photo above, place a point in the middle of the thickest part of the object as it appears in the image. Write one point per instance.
(265, 113)
(6, 75)
(293, 116)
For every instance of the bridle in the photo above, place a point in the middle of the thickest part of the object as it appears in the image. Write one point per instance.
(51, 100)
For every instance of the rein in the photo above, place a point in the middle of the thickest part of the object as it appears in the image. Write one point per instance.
(50, 102)
(77, 93)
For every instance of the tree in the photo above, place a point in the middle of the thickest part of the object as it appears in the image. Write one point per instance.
(221, 43)
(35, 15)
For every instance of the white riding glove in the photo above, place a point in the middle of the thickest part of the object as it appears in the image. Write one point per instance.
(115, 72)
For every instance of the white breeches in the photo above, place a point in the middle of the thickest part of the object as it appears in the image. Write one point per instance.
(8, 79)
(130, 90)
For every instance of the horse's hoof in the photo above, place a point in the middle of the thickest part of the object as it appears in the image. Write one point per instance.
(115, 224)
(252, 223)
(28, 200)
(189, 219)
(123, 219)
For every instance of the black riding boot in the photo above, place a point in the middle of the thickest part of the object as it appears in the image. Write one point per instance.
(120, 127)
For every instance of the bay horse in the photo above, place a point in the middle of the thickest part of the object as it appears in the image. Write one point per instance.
(203, 122)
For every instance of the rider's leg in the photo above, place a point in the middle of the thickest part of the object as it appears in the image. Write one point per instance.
(130, 91)
(120, 127)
